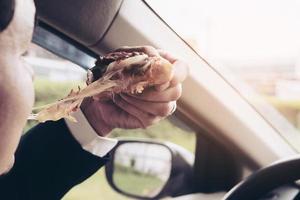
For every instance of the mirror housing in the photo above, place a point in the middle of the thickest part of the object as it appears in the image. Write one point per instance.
(168, 172)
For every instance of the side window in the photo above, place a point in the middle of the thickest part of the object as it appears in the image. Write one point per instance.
(171, 129)
(55, 77)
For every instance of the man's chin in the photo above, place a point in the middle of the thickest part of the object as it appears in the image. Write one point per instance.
(9, 166)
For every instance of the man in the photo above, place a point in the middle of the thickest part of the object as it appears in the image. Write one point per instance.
(55, 156)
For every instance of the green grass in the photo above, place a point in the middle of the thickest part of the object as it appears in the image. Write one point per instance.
(49, 91)
(134, 182)
(95, 188)
(283, 103)
(165, 130)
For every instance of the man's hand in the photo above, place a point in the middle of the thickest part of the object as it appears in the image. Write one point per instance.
(139, 110)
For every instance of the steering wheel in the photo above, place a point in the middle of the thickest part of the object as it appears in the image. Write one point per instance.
(266, 179)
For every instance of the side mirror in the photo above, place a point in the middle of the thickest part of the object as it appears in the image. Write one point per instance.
(150, 170)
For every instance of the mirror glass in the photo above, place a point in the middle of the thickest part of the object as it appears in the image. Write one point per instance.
(141, 169)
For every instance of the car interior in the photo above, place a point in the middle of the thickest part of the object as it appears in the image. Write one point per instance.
(236, 147)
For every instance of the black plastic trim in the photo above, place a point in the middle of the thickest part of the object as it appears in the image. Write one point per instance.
(67, 39)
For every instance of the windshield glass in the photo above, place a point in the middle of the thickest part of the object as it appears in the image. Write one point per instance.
(254, 44)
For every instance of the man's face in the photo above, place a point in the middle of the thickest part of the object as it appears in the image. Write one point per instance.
(16, 87)
(14, 42)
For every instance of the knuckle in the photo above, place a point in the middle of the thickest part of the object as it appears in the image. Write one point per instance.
(177, 93)
(145, 123)
(138, 124)
(148, 48)
(149, 121)
(121, 48)
(166, 109)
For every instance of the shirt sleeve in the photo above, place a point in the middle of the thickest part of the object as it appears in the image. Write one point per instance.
(87, 137)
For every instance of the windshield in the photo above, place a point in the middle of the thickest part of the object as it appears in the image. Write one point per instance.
(254, 44)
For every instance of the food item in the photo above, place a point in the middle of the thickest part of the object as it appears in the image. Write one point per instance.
(116, 72)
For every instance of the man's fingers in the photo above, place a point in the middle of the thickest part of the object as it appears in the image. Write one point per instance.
(145, 119)
(180, 72)
(103, 96)
(154, 108)
(162, 87)
(167, 56)
(110, 110)
(180, 68)
(152, 95)
(149, 50)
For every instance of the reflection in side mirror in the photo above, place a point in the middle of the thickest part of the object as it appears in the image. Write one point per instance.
(141, 169)
(146, 169)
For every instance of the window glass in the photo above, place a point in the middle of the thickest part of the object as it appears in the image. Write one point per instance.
(254, 44)
(54, 78)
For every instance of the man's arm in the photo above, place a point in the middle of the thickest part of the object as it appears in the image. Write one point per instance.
(49, 162)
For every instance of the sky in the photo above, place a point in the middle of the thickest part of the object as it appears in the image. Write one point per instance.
(237, 29)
